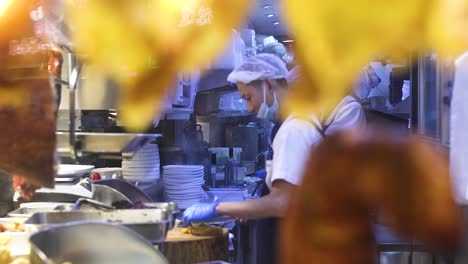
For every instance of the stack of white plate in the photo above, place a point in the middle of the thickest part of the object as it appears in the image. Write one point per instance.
(182, 184)
(142, 166)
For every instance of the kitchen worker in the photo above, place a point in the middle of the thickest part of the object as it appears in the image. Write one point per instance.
(262, 82)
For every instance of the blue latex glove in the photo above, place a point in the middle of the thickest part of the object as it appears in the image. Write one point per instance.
(261, 174)
(200, 212)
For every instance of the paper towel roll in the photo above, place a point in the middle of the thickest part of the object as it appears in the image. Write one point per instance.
(459, 130)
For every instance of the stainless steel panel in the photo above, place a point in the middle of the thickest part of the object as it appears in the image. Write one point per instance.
(78, 243)
(169, 206)
(152, 224)
(104, 142)
(27, 212)
(129, 190)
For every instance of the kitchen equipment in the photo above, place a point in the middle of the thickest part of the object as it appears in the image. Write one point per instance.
(222, 155)
(88, 204)
(104, 142)
(78, 243)
(151, 224)
(170, 206)
(397, 76)
(85, 189)
(250, 167)
(72, 170)
(245, 138)
(129, 190)
(108, 173)
(108, 195)
(226, 195)
(26, 210)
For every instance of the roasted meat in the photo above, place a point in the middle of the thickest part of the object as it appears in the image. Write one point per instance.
(27, 137)
(352, 175)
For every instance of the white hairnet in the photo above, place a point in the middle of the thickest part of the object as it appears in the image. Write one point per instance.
(259, 67)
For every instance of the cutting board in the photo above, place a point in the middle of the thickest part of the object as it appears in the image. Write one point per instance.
(181, 248)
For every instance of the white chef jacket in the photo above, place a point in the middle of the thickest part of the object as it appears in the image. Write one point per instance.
(297, 137)
(458, 130)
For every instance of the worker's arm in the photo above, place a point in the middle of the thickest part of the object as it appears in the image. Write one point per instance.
(272, 205)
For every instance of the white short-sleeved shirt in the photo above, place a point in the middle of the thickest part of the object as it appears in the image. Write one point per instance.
(297, 137)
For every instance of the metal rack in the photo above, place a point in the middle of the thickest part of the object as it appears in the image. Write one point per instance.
(76, 144)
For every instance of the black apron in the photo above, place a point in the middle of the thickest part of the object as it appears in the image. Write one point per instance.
(267, 244)
(267, 236)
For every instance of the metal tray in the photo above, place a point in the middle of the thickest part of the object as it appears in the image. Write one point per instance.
(78, 243)
(27, 212)
(152, 224)
(170, 206)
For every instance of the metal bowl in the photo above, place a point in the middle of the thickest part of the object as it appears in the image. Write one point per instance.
(79, 243)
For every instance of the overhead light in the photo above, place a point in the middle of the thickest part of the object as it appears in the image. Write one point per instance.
(276, 23)
(270, 15)
(288, 40)
(266, 6)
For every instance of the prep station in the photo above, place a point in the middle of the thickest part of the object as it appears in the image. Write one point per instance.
(119, 196)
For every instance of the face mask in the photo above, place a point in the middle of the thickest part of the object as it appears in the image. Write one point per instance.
(265, 111)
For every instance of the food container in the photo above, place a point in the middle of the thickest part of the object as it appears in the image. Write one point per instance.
(18, 243)
(78, 243)
(170, 206)
(26, 210)
(152, 224)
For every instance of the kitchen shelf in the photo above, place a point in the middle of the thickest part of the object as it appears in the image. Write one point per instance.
(104, 142)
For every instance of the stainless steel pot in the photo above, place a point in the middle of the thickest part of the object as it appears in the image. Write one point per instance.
(78, 243)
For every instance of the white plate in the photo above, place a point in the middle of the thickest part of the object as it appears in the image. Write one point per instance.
(192, 167)
(150, 164)
(143, 153)
(182, 170)
(136, 175)
(183, 181)
(138, 166)
(184, 189)
(183, 185)
(141, 157)
(142, 170)
(67, 170)
(139, 175)
(179, 195)
(143, 150)
(142, 180)
(182, 174)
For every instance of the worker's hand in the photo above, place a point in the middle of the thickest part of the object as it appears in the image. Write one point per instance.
(200, 212)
